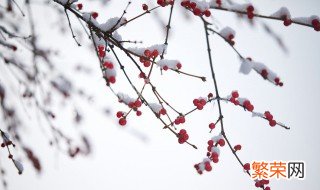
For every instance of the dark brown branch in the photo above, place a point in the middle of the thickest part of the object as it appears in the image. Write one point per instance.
(258, 15)
(205, 23)
(167, 31)
(73, 36)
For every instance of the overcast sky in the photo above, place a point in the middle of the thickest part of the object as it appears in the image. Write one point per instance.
(142, 155)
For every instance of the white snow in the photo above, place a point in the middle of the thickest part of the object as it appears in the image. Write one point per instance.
(305, 20)
(88, 18)
(155, 107)
(19, 166)
(5, 136)
(213, 3)
(246, 66)
(283, 11)
(125, 98)
(226, 32)
(206, 160)
(241, 100)
(215, 149)
(140, 51)
(257, 114)
(117, 36)
(98, 41)
(201, 166)
(203, 98)
(260, 66)
(112, 23)
(202, 5)
(171, 64)
(239, 7)
(217, 138)
(62, 84)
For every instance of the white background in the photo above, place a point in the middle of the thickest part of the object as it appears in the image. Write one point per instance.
(143, 155)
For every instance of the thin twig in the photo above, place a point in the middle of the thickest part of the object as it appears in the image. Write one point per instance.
(73, 36)
(217, 93)
(258, 15)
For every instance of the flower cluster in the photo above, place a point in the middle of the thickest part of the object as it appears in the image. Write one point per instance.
(269, 117)
(237, 147)
(133, 104)
(198, 8)
(183, 136)
(122, 118)
(261, 184)
(109, 71)
(203, 166)
(147, 54)
(212, 154)
(236, 100)
(200, 102)
(179, 120)
(164, 3)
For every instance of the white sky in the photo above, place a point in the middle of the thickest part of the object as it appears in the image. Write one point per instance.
(122, 160)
